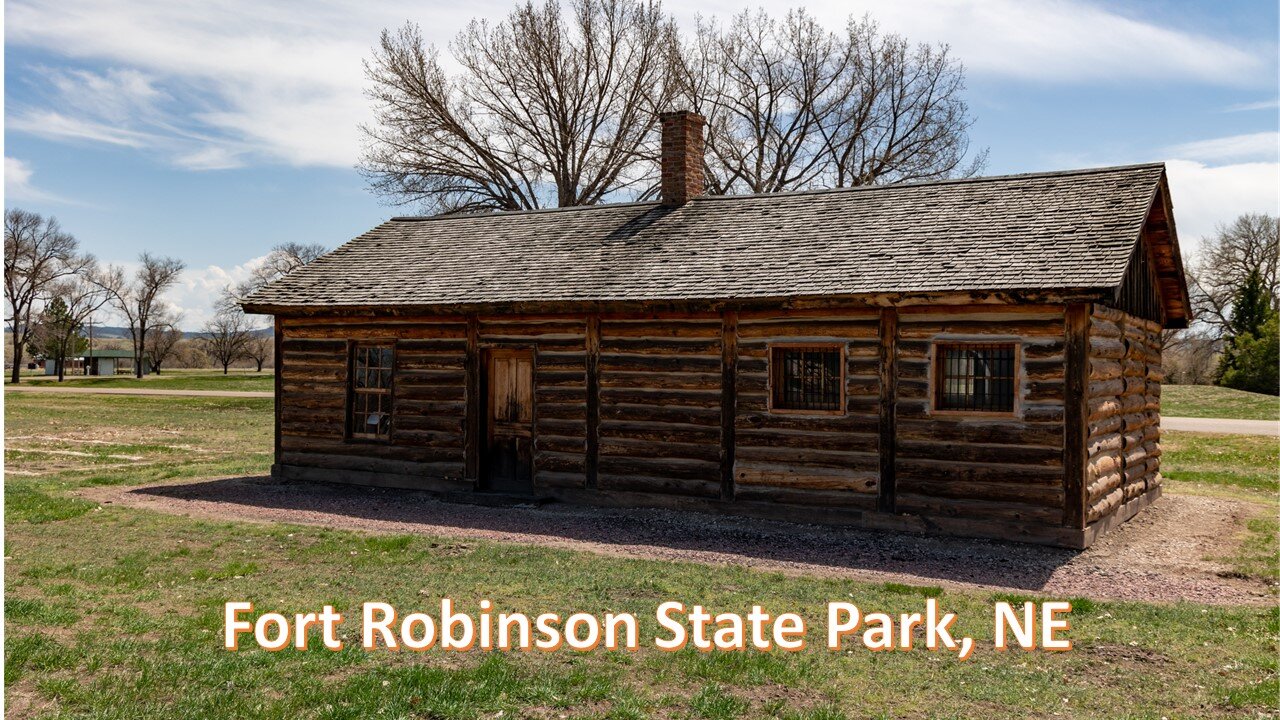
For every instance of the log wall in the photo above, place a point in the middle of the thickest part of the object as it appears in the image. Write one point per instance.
(676, 408)
(428, 399)
(660, 415)
(814, 459)
(1005, 466)
(1123, 431)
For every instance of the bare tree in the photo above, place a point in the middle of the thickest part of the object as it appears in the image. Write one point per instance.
(282, 260)
(550, 108)
(72, 301)
(259, 347)
(162, 340)
(37, 254)
(791, 106)
(225, 338)
(139, 300)
(1250, 243)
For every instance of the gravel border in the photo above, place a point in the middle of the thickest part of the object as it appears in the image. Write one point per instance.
(1159, 556)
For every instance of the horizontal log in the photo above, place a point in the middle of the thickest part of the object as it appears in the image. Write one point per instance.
(627, 447)
(1106, 388)
(1102, 327)
(682, 398)
(610, 329)
(675, 468)
(1042, 412)
(1042, 349)
(807, 439)
(1028, 494)
(380, 332)
(930, 470)
(844, 500)
(1103, 465)
(662, 485)
(953, 507)
(290, 344)
(405, 376)
(498, 327)
(808, 458)
(1107, 505)
(366, 463)
(1104, 485)
(658, 413)
(1050, 369)
(552, 461)
(1102, 369)
(1106, 348)
(1105, 426)
(561, 444)
(1007, 432)
(548, 479)
(409, 419)
(776, 475)
(610, 362)
(1108, 443)
(908, 329)
(562, 410)
(849, 423)
(660, 346)
(1042, 390)
(792, 331)
(660, 432)
(983, 453)
(661, 380)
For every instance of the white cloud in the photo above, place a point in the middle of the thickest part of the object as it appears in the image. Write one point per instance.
(1271, 104)
(1205, 196)
(1051, 40)
(18, 185)
(196, 291)
(57, 126)
(216, 85)
(1253, 146)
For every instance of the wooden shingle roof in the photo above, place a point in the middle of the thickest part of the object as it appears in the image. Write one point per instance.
(1051, 232)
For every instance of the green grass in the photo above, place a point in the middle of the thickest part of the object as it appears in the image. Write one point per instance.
(115, 612)
(1248, 462)
(1209, 401)
(236, 380)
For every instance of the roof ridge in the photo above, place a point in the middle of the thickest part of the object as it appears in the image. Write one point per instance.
(817, 191)
(476, 215)
(944, 181)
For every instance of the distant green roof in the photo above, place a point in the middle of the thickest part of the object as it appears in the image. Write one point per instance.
(108, 354)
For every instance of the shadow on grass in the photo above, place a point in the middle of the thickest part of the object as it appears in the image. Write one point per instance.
(686, 535)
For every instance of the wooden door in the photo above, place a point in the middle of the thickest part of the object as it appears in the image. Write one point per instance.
(507, 463)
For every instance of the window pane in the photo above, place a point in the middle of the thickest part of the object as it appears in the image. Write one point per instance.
(806, 378)
(976, 377)
(370, 405)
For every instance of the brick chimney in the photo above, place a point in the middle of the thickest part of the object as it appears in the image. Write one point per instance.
(681, 156)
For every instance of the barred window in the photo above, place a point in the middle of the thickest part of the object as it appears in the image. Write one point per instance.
(807, 378)
(371, 391)
(977, 377)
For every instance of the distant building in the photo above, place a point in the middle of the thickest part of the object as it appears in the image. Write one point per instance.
(98, 362)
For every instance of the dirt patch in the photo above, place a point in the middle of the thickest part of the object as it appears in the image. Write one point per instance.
(1162, 555)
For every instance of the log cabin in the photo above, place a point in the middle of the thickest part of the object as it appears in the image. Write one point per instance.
(977, 357)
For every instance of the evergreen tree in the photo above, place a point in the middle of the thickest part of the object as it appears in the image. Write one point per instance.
(1256, 359)
(59, 335)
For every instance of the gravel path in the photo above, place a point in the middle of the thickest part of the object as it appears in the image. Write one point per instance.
(138, 391)
(1221, 426)
(1158, 556)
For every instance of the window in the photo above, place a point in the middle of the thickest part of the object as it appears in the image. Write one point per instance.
(371, 392)
(806, 378)
(975, 377)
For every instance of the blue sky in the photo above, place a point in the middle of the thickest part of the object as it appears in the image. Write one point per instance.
(212, 131)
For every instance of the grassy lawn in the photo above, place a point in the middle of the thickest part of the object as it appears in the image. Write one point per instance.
(1209, 401)
(114, 612)
(236, 380)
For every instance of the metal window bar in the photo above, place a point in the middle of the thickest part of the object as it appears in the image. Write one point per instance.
(371, 391)
(977, 377)
(807, 379)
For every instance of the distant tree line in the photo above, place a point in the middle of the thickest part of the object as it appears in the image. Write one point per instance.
(53, 289)
(1235, 295)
